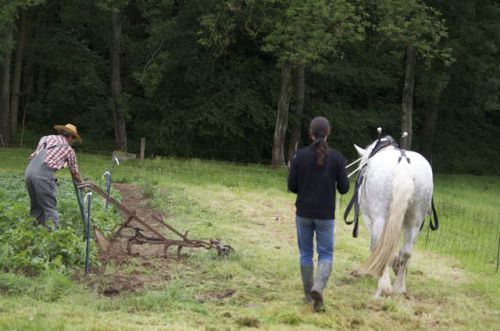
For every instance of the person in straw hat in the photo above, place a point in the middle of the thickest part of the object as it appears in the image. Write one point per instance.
(52, 153)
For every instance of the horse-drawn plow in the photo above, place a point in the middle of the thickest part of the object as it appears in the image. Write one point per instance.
(139, 231)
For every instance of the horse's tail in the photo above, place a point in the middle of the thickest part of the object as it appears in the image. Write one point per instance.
(384, 253)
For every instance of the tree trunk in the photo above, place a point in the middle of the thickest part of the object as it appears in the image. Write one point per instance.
(4, 86)
(298, 76)
(408, 96)
(278, 154)
(430, 127)
(116, 86)
(18, 67)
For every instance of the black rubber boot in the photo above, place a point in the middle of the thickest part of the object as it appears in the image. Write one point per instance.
(307, 273)
(322, 275)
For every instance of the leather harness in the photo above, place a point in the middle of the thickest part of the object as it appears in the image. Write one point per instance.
(359, 181)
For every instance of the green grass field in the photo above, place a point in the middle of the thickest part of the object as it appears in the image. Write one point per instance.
(248, 207)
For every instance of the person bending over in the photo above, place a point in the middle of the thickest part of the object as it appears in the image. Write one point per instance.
(52, 153)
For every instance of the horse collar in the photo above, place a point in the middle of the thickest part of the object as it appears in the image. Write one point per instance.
(380, 145)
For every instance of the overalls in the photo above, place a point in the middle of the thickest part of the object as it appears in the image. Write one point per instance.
(41, 186)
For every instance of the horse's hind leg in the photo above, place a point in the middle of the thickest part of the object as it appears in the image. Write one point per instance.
(384, 282)
(384, 285)
(375, 227)
(403, 259)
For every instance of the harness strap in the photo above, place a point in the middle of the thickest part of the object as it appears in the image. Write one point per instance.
(433, 225)
(378, 146)
(354, 202)
(403, 155)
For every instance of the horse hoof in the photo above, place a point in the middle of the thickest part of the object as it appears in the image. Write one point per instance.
(383, 293)
(399, 291)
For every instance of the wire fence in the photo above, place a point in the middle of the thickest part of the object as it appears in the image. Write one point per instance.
(469, 233)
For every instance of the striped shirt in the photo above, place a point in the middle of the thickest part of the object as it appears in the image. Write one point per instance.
(59, 152)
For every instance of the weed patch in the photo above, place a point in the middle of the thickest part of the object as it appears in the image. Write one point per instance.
(30, 249)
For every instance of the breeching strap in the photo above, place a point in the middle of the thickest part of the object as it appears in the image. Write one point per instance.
(434, 226)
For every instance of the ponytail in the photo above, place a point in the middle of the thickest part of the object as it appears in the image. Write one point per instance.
(321, 149)
(319, 129)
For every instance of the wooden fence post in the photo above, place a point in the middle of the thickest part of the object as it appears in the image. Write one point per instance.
(24, 120)
(143, 148)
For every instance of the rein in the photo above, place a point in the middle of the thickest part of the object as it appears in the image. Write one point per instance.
(354, 202)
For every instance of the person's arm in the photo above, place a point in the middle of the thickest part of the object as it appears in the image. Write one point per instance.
(77, 178)
(292, 175)
(73, 167)
(342, 179)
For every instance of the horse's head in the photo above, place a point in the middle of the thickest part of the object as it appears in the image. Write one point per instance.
(366, 152)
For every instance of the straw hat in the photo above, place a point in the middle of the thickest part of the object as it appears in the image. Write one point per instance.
(70, 128)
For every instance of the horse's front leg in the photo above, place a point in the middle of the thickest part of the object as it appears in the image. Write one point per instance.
(384, 285)
(403, 260)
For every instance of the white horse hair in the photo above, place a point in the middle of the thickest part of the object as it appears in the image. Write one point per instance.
(395, 194)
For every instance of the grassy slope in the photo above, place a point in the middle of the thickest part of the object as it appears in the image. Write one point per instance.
(248, 207)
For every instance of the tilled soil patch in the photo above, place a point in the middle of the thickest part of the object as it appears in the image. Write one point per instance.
(145, 267)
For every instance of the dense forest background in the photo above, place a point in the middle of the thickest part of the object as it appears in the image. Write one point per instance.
(239, 80)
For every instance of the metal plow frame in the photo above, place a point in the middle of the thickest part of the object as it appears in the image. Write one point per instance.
(139, 238)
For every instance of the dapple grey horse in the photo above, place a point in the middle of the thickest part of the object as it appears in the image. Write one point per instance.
(395, 195)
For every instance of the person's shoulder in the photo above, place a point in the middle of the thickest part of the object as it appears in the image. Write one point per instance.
(302, 152)
(50, 136)
(44, 138)
(336, 155)
(304, 149)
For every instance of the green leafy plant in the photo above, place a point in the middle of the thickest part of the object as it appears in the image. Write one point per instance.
(32, 249)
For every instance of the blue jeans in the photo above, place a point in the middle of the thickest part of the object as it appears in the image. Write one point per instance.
(306, 227)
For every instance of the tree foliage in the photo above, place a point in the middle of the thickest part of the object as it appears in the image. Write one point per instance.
(201, 78)
(414, 23)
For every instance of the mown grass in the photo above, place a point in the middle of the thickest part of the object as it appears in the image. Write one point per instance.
(248, 207)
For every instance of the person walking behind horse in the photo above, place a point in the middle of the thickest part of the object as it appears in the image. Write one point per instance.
(51, 154)
(316, 171)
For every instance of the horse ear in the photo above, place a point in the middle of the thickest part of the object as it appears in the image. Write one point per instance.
(361, 151)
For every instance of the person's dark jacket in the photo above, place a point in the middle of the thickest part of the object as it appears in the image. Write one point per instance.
(315, 185)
